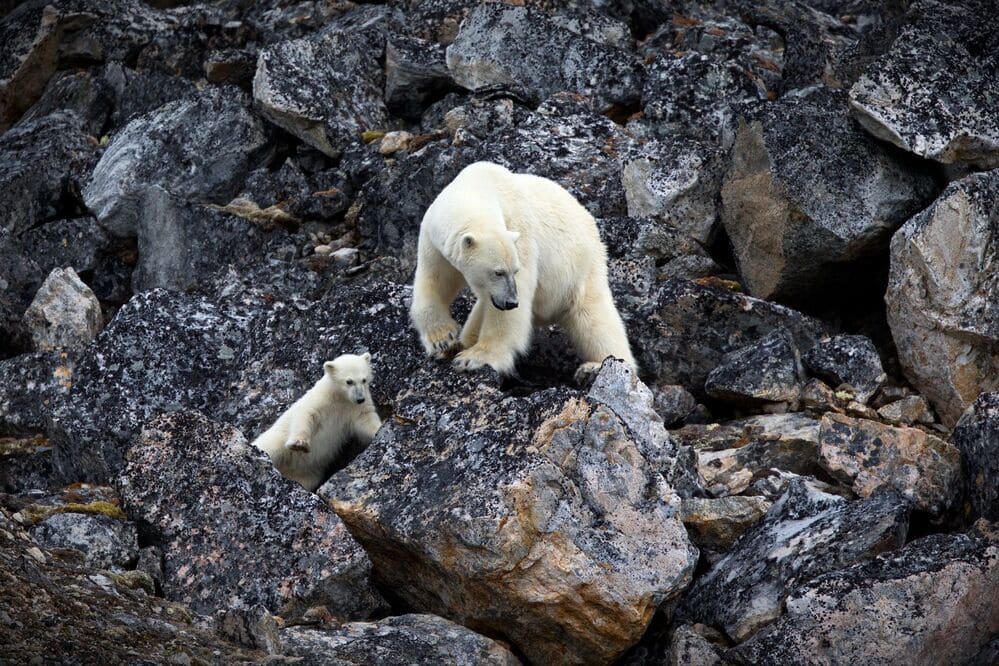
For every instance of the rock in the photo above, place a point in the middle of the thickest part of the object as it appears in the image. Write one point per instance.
(907, 411)
(106, 543)
(804, 534)
(30, 386)
(150, 562)
(42, 164)
(539, 542)
(30, 36)
(715, 524)
(847, 359)
(941, 305)
(25, 464)
(55, 609)
(251, 627)
(976, 436)
(393, 142)
(789, 240)
(84, 93)
(684, 330)
(937, 595)
(77, 243)
(346, 256)
(520, 48)
(868, 455)
(198, 149)
(768, 370)
(415, 73)
(678, 185)
(234, 67)
(394, 641)
(320, 195)
(673, 404)
(19, 280)
(932, 92)
(325, 91)
(817, 396)
(203, 491)
(137, 93)
(65, 313)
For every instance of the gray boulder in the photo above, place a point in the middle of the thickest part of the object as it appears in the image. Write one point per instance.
(847, 359)
(804, 534)
(198, 149)
(20, 277)
(76, 243)
(942, 309)
(937, 596)
(65, 314)
(415, 72)
(768, 370)
(808, 192)
(976, 436)
(106, 543)
(233, 531)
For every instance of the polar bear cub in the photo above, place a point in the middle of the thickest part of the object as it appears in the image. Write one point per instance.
(531, 254)
(307, 437)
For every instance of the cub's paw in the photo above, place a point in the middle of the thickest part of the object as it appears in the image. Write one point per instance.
(586, 373)
(297, 445)
(441, 341)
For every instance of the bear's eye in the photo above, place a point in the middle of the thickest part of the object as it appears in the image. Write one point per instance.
(500, 273)
(350, 382)
(364, 381)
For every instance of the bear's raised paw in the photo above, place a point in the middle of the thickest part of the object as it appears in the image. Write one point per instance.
(298, 445)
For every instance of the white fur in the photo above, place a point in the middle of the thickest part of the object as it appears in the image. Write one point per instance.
(309, 435)
(489, 219)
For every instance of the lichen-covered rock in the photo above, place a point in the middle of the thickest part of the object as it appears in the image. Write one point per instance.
(673, 403)
(326, 91)
(65, 314)
(715, 524)
(42, 165)
(522, 49)
(19, 277)
(682, 332)
(76, 243)
(198, 148)
(768, 370)
(30, 56)
(415, 72)
(534, 518)
(869, 455)
(847, 359)
(936, 598)
(106, 543)
(85, 93)
(394, 641)
(233, 531)
(30, 385)
(809, 192)
(910, 410)
(933, 92)
(942, 309)
(976, 436)
(804, 534)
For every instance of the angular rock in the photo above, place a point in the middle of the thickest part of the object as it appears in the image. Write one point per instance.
(937, 595)
(869, 455)
(521, 49)
(942, 309)
(233, 531)
(394, 641)
(976, 436)
(25, 464)
(908, 411)
(198, 149)
(768, 370)
(808, 192)
(715, 524)
(106, 543)
(805, 534)
(847, 359)
(42, 164)
(77, 243)
(19, 280)
(933, 93)
(85, 93)
(673, 404)
(682, 332)
(415, 73)
(140, 92)
(690, 647)
(325, 91)
(539, 540)
(30, 387)
(65, 313)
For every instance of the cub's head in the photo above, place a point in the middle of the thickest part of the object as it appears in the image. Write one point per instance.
(489, 263)
(351, 376)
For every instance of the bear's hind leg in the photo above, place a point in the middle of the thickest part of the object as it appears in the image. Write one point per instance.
(596, 330)
(435, 286)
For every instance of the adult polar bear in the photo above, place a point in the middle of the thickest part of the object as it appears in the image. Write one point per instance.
(531, 254)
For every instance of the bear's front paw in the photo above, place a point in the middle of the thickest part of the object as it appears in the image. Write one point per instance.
(441, 341)
(297, 445)
(476, 357)
(586, 373)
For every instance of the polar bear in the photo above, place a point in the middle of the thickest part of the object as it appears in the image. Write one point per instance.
(531, 254)
(307, 437)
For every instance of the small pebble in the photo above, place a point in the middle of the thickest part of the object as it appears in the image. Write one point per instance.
(323, 250)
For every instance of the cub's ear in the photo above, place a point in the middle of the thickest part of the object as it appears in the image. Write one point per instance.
(468, 242)
(514, 235)
(367, 357)
(329, 367)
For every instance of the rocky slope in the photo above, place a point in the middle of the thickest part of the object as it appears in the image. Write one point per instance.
(206, 200)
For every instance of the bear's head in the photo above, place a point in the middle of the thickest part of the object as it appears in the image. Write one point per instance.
(350, 375)
(489, 263)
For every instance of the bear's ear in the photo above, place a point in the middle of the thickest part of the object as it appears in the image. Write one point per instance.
(514, 235)
(468, 242)
(367, 357)
(329, 367)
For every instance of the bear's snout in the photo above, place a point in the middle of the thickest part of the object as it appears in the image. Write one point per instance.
(506, 304)
(359, 400)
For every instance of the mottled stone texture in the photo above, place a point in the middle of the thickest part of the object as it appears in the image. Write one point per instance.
(65, 314)
(976, 436)
(847, 359)
(769, 370)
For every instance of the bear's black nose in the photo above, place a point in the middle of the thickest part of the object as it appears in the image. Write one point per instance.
(360, 400)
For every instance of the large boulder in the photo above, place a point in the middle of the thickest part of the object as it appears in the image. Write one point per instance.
(65, 314)
(106, 542)
(522, 49)
(20, 276)
(233, 532)
(804, 534)
(199, 148)
(936, 598)
(533, 518)
(976, 436)
(847, 359)
(808, 192)
(942, 308)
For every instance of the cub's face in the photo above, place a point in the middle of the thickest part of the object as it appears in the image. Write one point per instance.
(351, 376)
(490, 264)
